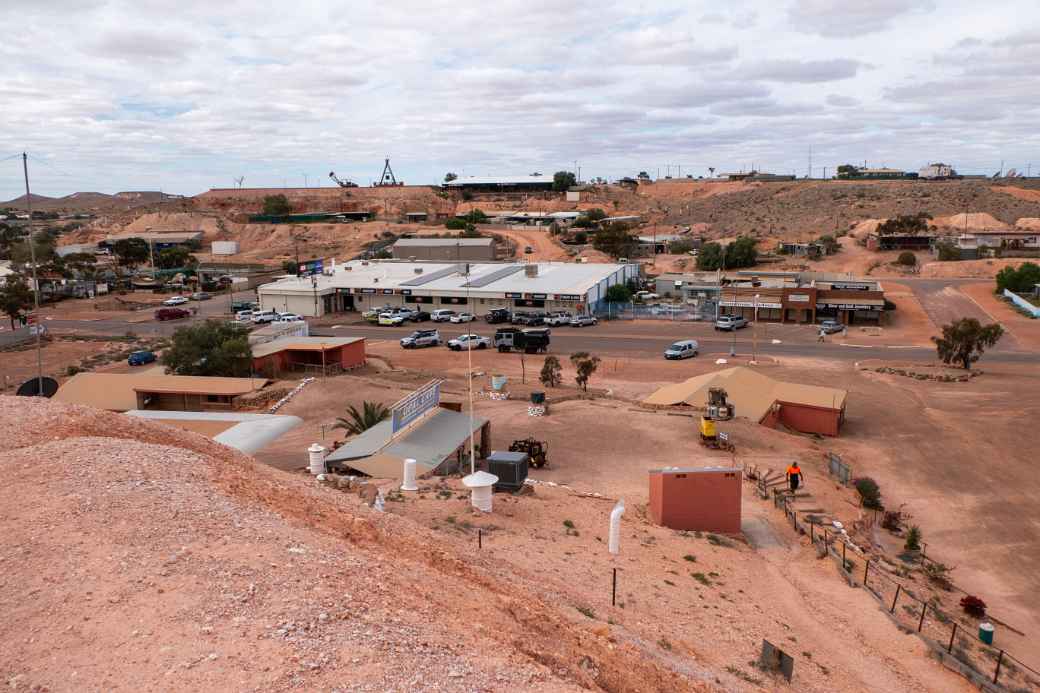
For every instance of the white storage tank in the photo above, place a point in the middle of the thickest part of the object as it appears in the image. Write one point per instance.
(225, 247)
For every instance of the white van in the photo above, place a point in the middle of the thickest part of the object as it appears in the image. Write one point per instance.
(441, 315)
(682, 350)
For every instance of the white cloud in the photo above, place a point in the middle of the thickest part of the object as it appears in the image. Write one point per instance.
(125, 94)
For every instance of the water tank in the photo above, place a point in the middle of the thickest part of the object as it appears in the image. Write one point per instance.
(316, 453)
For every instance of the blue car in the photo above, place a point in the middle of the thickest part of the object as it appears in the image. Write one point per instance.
(139, 358)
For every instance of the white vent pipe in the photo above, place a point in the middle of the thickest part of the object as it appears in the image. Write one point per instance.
(317, 459)
(614, 542)
(409, 476)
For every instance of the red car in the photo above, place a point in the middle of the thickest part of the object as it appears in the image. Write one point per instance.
(171, 314)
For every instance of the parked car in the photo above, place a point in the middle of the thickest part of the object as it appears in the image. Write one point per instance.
(139, 358)
(372, 314)
(420, 316)
(646, 295)
(171, 314)
(262, 317)
(498, 315)
(830, 326)
(469, 341)
(583, 321)
(730, 322)
(459, 318)
(201, 296)
(391, 319)
(559, 317)
(244, 315)
(530, 341)
(518, 318)
(289, 317)
(175, 301)
(530, 319)
(421, 338)
(441, 315)
(404, 311)
(238, 306)
(682, 350)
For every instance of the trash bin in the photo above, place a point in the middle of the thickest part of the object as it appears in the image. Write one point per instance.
(986, 633)
(537, 398)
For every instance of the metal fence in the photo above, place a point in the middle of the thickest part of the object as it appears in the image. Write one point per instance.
(838, 469)
(677, 312)
(949, 637)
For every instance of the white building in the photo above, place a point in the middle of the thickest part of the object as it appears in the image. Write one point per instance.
(364, 284)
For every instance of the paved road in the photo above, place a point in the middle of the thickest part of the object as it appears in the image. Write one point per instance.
(626, 339)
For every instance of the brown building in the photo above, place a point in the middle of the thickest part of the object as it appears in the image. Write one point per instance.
(125, 391)
(308, 354)
(705, 499)
(465, 249)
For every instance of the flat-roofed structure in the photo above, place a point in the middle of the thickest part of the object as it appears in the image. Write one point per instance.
(245, 432)
(159, 240)
(502, 183)
(446, 249)
(125, 391)
(463, 286)
(308, 354)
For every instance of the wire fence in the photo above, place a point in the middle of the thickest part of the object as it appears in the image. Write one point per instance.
(676, 312)
(955, 641)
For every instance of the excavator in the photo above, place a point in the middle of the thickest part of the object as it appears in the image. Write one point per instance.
(342, 183)
(717, 409)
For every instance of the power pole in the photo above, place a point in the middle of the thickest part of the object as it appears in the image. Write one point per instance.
(810, 162)
(36, 281)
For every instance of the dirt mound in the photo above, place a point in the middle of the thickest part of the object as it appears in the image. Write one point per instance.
(970, 221)
(154, 558)
(1029, 223)
(1027, 194)
(865, 228)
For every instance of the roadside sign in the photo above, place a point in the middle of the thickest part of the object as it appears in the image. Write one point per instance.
(311, 267)
(411, 407)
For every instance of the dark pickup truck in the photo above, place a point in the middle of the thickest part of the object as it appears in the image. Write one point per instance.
(529, 341)
(498, 315)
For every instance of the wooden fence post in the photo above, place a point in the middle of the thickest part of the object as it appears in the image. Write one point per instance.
(895, 598)
(1000, 659)
(924, 609)
(953, 634)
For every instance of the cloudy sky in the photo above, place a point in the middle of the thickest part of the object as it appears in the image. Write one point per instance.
(148, 94)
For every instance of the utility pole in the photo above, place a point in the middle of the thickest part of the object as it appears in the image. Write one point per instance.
(36, 281)
(810, 162)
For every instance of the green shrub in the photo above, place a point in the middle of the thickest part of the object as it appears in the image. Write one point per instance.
(907, 259)
(869, 492)
(913, 539)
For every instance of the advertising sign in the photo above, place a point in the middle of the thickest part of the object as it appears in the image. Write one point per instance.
(567, 297)
(798, 298)
(410, 408)
(852, 286)
(311, 267)
(750, 304)
(846, 306)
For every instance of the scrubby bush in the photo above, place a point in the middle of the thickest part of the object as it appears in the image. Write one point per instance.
(973, 606)
(913, 539)
(907, 259)
(869, 492)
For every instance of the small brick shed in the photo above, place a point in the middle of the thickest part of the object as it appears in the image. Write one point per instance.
(696, 498)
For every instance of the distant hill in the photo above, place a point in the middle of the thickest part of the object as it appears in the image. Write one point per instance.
(92, 201)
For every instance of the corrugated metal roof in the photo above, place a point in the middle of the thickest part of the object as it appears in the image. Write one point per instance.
(245, 432)
(499, 180)
(302, 344)
(429, 443)
(442, 242)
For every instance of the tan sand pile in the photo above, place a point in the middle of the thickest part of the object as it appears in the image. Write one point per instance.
(971, 221)
(1028, 223)
(1021, 193)
(154, 559)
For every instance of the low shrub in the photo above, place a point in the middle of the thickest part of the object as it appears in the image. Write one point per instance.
(973, 606)
(869, 492)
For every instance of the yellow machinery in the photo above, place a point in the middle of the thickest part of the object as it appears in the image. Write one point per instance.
(717, 409)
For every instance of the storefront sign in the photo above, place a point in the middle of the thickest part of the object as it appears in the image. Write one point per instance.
(537, 297)
(406, 292)
(750, 304)
(453, 300)
(798, 298)
(514, 294)
(387, 291)
(415, 405)
(364, 291)
(567, 297)
(528, 303)
(852, 286)
(846, 306)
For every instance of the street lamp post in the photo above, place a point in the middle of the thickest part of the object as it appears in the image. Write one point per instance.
(754, 334)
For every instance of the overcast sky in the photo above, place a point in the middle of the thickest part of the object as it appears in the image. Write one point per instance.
(149, 94)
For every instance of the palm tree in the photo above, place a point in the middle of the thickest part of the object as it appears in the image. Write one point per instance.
(359, 421)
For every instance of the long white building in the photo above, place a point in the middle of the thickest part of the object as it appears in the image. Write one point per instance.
(473, 287)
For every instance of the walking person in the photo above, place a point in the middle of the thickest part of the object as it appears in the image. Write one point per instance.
(821, 335)
(794, 476)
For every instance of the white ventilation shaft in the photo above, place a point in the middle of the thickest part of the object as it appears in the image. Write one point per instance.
(481, 485)
(614, 541)
(317, 459)
(409, 476)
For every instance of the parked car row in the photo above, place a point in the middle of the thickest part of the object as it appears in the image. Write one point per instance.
(181, 300)
(263, 317)
(506, 339)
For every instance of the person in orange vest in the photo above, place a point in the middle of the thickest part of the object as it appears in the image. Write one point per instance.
(794, 476)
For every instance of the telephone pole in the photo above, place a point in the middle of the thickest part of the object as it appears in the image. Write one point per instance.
(35, 279)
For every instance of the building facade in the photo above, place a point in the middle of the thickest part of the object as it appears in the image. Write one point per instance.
(474, 287)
